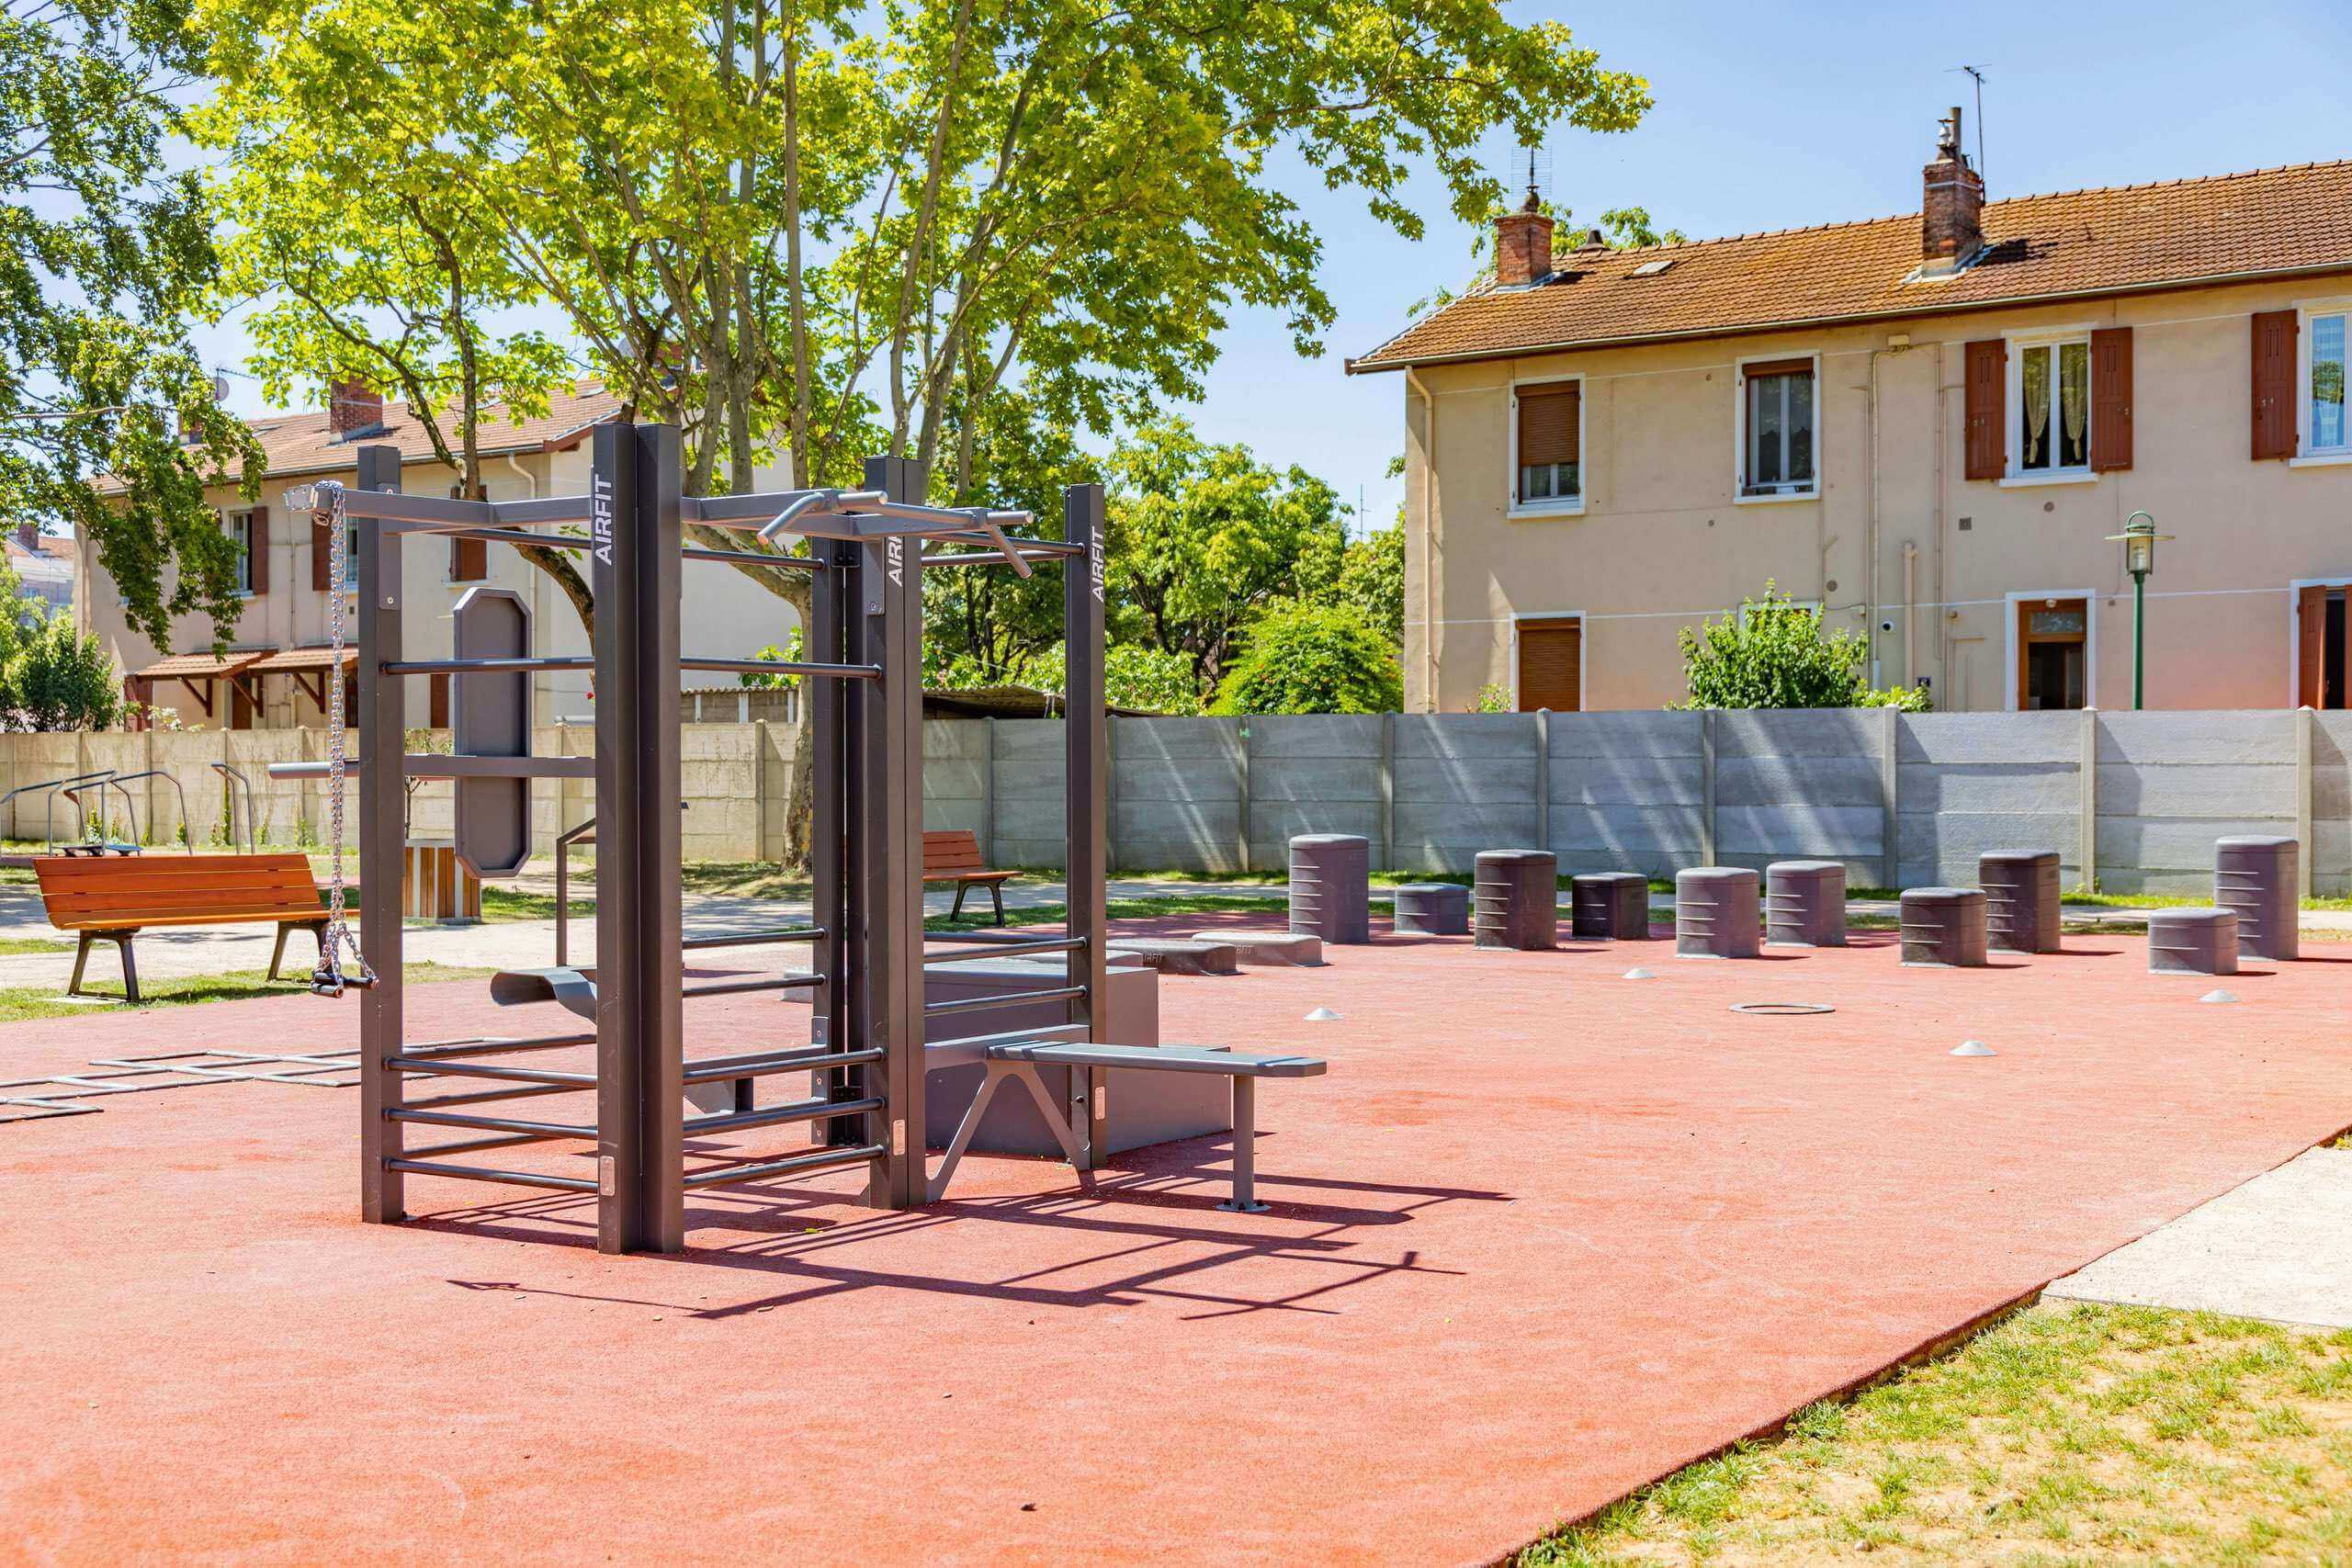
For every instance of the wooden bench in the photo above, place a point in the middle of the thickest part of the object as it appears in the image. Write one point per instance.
(114, 899)
(952, 854)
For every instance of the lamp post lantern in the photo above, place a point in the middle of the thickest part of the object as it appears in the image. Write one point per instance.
(2139, 541)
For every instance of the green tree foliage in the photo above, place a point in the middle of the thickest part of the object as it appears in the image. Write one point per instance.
(1303, 658)
(106, 252)
(1775, 653)
(61, 679)
(1204, 538)
(1372, 578)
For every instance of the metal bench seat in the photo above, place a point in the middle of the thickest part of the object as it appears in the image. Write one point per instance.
(1021, 1059)
(575, 988)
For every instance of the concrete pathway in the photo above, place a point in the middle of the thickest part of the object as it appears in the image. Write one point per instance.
(2274, 1249)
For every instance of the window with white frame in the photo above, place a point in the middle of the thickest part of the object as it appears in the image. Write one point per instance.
(2053, 404)
(1777, 427)
(1547, 444)
(239, 529)
(351, 558)
(2324, 397)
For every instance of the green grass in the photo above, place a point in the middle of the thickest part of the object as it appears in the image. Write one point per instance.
(15, 946)
(2064, 1435)
(22, 1002)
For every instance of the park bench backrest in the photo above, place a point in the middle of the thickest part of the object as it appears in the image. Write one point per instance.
(951, 851)
(84, 893)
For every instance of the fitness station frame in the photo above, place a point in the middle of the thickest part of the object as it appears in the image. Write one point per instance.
(865, 1059)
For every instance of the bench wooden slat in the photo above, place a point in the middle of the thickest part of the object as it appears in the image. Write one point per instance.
(83, 894)
(952, 854)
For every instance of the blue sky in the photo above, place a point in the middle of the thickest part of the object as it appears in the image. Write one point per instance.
(1776, 116)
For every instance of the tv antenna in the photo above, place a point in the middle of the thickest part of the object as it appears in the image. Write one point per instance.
(1538, 163)
(1976, 74)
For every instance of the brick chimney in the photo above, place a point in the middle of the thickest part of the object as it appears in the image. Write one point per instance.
(1523, 246)
(1951, 213)
(354, 408)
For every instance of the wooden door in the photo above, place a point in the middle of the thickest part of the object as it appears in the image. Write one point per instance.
(2053, 650)
(1551, 665)
(240, 706)
(2311, 648)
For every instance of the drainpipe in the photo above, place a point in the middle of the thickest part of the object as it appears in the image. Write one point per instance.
(1910, 607)
(1876, 355)
(1414, 384)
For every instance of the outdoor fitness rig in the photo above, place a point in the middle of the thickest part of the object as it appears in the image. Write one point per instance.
(867, 938)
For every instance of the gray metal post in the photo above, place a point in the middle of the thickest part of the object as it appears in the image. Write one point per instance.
(1086, 767)
(892, 595)
(382, 742)
(1890, 776)
(634, 527)
(836, 633)
(1244, 1149)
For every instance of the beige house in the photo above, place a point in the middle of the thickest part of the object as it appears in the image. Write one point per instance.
(1928, 426)
(275, 672)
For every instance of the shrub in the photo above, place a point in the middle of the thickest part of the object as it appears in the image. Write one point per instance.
(1774, 653)
(1301, 658)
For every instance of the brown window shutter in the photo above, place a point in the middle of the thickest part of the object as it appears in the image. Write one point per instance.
(1986, 396)
(1548, 417)
(1777, 367)
(436, 703)
(469, 561)
(2274, 384)
(2111, 399)
(258, 544)
(321, 556)
(1551, 665)
(2311, 646)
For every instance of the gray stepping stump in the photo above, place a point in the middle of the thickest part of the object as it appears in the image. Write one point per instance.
(1804, 903)
(2257, 878)
(1433, 908)
(2021, 901)
(1271, 949)
(1943, 928)
(1612, 905)
(2193, 941)
(1516, 901)
(1717, 913)
(1331, 894)
(1177, 955)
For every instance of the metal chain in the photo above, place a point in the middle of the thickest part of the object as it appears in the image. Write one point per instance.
(329, 979)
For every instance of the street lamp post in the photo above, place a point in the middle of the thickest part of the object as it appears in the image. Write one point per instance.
(2139, 541)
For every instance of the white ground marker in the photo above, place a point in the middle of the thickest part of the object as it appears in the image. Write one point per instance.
(1639, 975)
(1322, 1015)
(2219, 997)
(1973, 1048)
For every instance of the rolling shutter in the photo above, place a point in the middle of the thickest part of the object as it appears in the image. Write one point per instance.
(1551, 665)
(1986, 395)
(1548, 418)
(321, 556)
(257, 548)
(2274, 384)
(469, 561)
(2111, 399)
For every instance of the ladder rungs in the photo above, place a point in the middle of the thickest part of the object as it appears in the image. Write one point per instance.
(829, 1160)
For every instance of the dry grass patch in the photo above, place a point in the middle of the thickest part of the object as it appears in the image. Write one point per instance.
(2066, 1435)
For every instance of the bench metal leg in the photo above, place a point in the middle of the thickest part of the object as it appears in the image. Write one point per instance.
(81, 963)
(996, 891)
(998, 1072)
(277, 953)
(1244, 1149)
(955, 909)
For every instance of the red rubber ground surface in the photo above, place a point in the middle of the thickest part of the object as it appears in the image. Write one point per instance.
(1541, 1234)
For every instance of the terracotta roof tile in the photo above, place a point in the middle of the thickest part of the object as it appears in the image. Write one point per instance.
(299, 444)
(2113, 239)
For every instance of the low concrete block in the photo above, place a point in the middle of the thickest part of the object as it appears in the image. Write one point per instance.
(1272, 949)
(1177, 955)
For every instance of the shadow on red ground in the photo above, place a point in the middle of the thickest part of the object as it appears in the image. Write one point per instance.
(1542, 1234)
